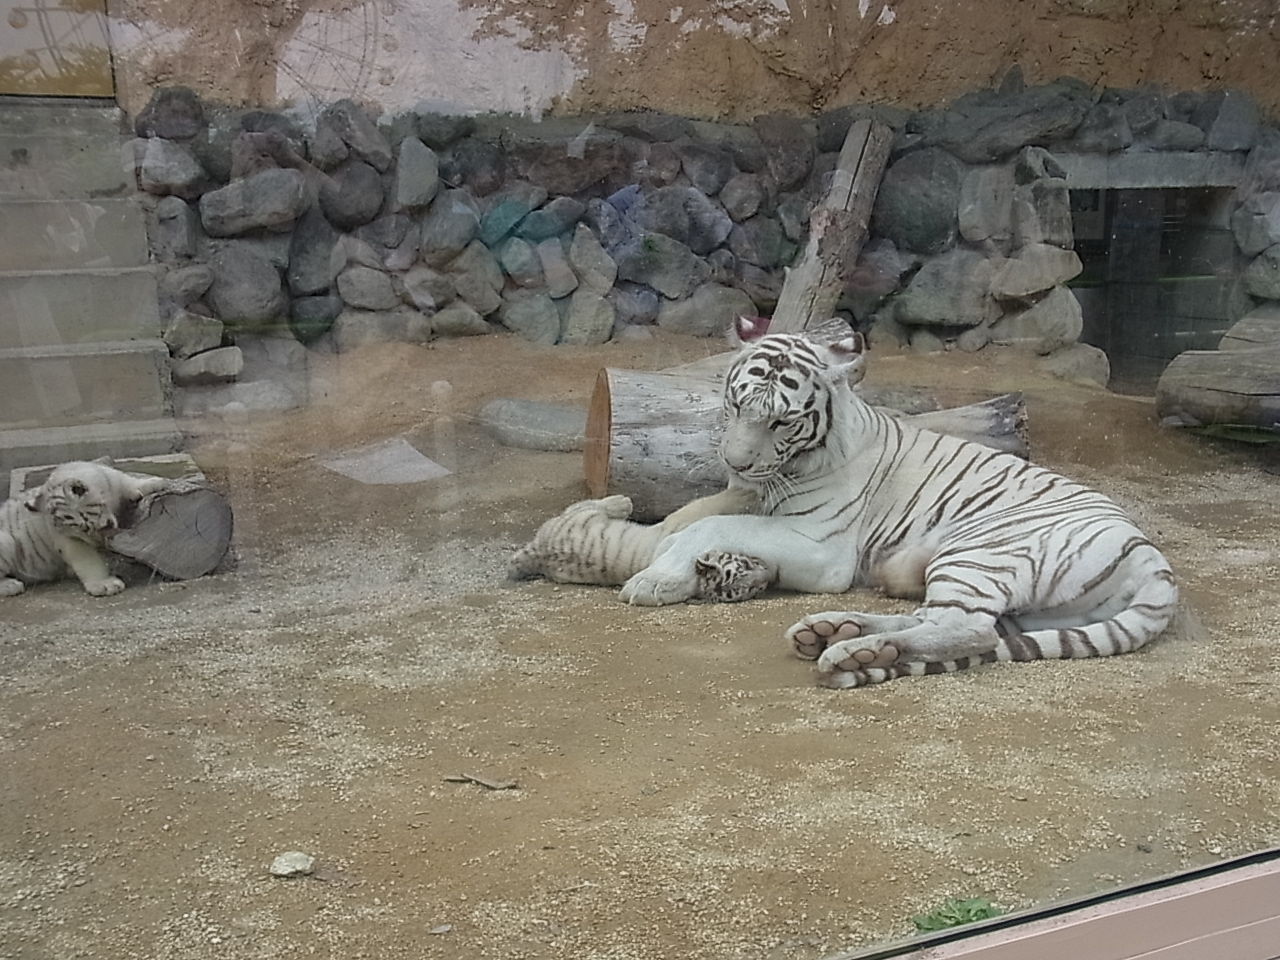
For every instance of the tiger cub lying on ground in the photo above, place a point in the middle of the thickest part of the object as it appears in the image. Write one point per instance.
(594, 541)
(61, 526)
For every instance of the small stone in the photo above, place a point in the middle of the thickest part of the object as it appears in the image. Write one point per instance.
(1262, 276)
(176, 228)
(477, 277)
(590, 318)
(789, 148)
(665, 264)
(708, 167)
(1080, 363)
(246, 291)
(709, 312)
(560, 278)
(438, 130)
(531, 314)
(417, 175)
(358, 132)
(440, 929)
(1053, 322)
(352, 196)
(271, 200)
(535, 425)
(1174, 135)
(211, 366)
(428, 289)
(475, 164)
(1255, 224)
(458, 319)
(607, 223)
(190, 333)
(452, 222)
(292, 864)
(310, 318)
(519, 259)
(185, 285)
(1035, 268)
(166, 167)
(742, 196)
(174, 113)
(367, 289)
(1105, 130)
(596, 270)
(759, 240)
(950, 290)
(634, 303)
(312, 254)
(924, 340)
(552, 220)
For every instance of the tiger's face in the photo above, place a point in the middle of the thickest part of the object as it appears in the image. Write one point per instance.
(778, 401)
(88, 499)
(731, 577)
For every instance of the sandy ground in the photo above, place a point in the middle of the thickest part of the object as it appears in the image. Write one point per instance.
(685, 791)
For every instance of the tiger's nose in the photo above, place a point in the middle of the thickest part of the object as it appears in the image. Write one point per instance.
(737, 467)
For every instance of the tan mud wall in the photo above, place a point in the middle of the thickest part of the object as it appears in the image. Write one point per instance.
(711, 58)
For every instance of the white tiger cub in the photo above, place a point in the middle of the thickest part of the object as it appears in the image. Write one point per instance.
(62, 526)
(1014, 562)
(594, 541)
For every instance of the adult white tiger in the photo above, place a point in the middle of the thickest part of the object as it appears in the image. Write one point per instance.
(1014, 562)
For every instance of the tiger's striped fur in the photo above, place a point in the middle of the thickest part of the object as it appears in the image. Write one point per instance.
(593, 541)
(1013, 561)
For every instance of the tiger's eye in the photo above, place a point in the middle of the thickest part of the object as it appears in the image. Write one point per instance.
(78, 489)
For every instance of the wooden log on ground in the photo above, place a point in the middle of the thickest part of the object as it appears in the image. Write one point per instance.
(182, 532)
(1221, 387)
(1260, 327)
(837, 229)
(653, 436)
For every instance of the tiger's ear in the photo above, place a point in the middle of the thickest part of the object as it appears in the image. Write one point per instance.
(848, 359)
(745, 330)
(105, 461)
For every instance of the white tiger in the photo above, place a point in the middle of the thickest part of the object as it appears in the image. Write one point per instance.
(61, 526)
(1013, 561)
(593, 541)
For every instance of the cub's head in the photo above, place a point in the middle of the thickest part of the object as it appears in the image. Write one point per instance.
(730, 577)
(779, 397)
(87, 498)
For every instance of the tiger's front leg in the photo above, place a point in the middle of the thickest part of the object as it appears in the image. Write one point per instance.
(90, 568)
(803, 561)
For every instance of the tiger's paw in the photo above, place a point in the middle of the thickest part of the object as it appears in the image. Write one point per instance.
(814, 633)
(851, 679)
(858, 654)
(656, 588)
(106, 587)
(9, 587)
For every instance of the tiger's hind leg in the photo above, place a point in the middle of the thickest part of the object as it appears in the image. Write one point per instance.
(9, 586)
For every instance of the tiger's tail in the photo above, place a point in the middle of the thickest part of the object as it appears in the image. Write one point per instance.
(525, 564)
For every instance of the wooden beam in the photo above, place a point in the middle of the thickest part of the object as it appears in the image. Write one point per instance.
(837, 230)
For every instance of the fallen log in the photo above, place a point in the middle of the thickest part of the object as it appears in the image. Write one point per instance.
(182, 531)
(1221, 387)
(653, 436)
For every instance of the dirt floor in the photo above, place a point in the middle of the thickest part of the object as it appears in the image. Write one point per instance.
(684, 790)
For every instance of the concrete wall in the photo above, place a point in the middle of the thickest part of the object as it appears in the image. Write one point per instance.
(711, 58)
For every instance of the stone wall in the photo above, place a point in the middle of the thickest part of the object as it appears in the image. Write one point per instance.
(420, 225)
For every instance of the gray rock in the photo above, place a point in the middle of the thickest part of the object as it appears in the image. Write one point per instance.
(1044, 327)
(452, 222)
(511, 205)
(246, 291)
(211, 366)
(357, 328)
(386, 233)
(708, 313)
(1036, 163)
(458, 319)
(1079, 363)
(764, 287)
(742, 196)
(986, 199)
(634, 303)
(327, 148)
(272, 247)
(438, 130)
(1229, 119)
(362, 137)
(278, 358)
(1262, 276)
(723, 264)
(649, 125)
(950, 290)
(310, 318)
(665, 264)
(918, 201)
(590, 318)
(1174, 135)
(428, 289)
(1042, 213)
(833, 125)
(519, 260)
(789, 148)
(1143, 111)
(1035, 268)
(759, 241)
(743, 143)
(552, 220)
(185, 285)
(417, 175)
(793, 213)
(168, 168)
(1256, 223)
(271, 200)
(190, 333)
(708, 167)
(973, 339)
(924, 340)
(596, 270)
(531, 314)
(987, 129)
(560, 278)
(367, 289)
(353, 196)
(607, 223)
(173, 113)
(477, 277)
(176, 230)
(682, 213)
(311, 254)
(885, 329)
(532, 425)
(1105, 130)
(876, 274)
(661, 167)
(480, 167)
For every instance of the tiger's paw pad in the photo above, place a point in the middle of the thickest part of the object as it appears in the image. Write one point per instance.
(107, 587)
(9, 587)
(861, 653)
(815, 633)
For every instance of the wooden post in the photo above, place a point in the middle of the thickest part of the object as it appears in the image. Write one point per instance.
(837, 229)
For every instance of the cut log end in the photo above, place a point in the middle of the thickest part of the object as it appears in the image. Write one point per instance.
(182, 532)
(595, 453)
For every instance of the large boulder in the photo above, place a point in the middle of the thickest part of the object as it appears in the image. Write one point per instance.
(1036, 267)
(1229, 119)
(552, 220)
(682, 213)
(246, 292)
(596, 270)
(558, 275)
(953, 289)
(987, 127)
(759, 240)
(367, 289)
(175, 230)
(452, 222)
(417, 175)
(707, 166)
(789, 148)
(663, 263)
(590, 318)
(1053, 322)
(477, 277)
(352, 196)
(173, 113)
(361, 135)
(1256, 223)
(531, 314)
(918, 201)
(1262, 276)
(428, 289)
(708, 313)
(311, 254)
(168, 168)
